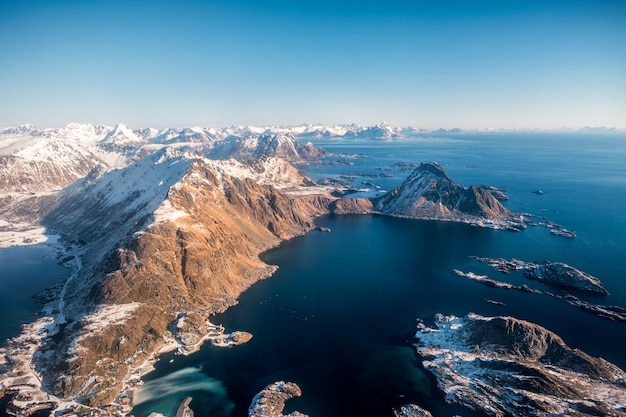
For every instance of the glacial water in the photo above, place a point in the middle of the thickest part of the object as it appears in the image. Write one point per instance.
(24, 271)
(338, 316)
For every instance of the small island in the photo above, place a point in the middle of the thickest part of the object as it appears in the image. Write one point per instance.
(553, 273)
(270, 402)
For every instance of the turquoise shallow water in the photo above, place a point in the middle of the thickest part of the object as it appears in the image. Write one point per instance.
(338, 316)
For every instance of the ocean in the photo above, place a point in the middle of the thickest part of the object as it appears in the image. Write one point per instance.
(338, 317)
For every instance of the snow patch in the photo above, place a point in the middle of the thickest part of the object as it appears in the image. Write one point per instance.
(106, 316)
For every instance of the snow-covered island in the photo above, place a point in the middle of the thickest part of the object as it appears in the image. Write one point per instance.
(270, 402)
(505, 366)
(429, 194)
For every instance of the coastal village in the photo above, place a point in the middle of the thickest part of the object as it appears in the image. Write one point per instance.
(22, 393)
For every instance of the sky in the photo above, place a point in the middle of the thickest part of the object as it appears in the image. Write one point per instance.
(430, 64)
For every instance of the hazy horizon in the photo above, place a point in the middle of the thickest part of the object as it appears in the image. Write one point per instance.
(583, 129)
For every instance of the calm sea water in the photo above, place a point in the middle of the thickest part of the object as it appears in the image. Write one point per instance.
(24, 271)
(338, 316)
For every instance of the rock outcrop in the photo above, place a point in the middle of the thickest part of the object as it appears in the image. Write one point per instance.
(271, 401)
(351, 206)
(559, 273)
(411, 410)
(429, 194)
(485, 280)
(553, 273)
(505, 366)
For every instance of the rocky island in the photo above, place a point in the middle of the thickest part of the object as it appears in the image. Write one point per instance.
(429, 194)
(271, 401)
(554, 273)
(559, 273)
(505, 366)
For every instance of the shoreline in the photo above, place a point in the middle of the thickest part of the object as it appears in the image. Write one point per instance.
(24, 383)
(18, 355)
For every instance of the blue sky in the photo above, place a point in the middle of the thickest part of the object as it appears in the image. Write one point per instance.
(469, 64)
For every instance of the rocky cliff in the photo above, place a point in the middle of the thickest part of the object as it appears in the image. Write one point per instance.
(428, 193)
(351, 206)
(172, 234)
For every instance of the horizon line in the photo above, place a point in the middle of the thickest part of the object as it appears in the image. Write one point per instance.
(585, 128)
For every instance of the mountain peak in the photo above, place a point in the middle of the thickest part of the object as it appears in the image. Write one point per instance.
(121, 136)
(431, 167)
(428, 193)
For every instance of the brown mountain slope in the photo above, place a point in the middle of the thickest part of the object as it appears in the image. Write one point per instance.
(198, 254)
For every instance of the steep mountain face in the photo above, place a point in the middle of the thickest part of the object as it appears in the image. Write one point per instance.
(351, 206)
(428, 193)
(505, 366)
(172, 234)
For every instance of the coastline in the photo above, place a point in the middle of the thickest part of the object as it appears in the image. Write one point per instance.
(178, 342)
(122, 405)
(18, 356)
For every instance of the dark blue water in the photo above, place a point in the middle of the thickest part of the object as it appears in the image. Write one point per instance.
(24, 271)
(338, 316)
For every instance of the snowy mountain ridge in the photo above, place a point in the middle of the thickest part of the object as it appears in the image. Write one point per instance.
(54, 158)
(171, 233)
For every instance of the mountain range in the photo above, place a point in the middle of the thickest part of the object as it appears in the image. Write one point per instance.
(163, 228)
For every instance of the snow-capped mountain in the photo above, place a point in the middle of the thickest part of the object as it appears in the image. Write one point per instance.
(121, 139)
(17, 130)
(171, 233)
(185, 135)
(382, 131)
(252, 147)
(428, 193)
(36, 160)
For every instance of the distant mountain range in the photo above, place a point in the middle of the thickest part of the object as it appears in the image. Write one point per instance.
(55, 157)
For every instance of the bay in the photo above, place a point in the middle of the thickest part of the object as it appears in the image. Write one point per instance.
(24, 271)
